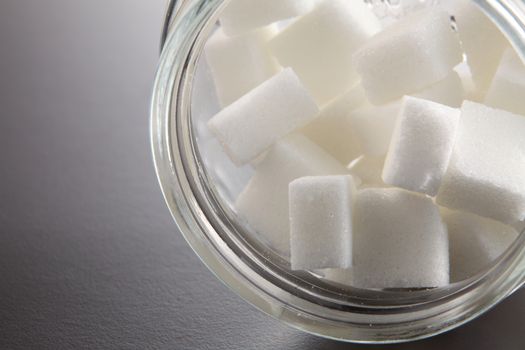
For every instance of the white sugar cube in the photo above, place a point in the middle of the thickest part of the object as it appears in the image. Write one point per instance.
(333, 130)
(250, 125)
(242, 16)
(507, 90)
(480, 38)
(487, 168)
(374, 126)
(400, 241)
(475, 242)
(321, 222)
(448, 91)
(421, 145)
(240, 63)
(408, 56)
(264, 201)
(368, 170)
(319, 45)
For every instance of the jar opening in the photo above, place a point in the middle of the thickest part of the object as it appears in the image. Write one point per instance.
(200, 192)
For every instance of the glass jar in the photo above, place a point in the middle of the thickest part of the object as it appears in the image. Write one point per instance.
(200, 205)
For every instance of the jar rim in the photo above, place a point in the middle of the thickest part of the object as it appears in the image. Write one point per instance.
(199, 218)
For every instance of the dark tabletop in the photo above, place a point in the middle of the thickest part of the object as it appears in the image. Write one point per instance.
(89, 255)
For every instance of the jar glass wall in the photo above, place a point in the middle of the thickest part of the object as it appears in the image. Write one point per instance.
(199, 190)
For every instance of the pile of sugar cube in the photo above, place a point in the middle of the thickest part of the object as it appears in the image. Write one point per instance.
(384, 156)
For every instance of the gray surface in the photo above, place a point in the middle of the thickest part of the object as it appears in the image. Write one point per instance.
(89, 256)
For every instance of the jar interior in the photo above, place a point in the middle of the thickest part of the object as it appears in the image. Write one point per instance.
(224, 181)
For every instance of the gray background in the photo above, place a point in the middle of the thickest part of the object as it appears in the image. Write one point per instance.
(89, 256)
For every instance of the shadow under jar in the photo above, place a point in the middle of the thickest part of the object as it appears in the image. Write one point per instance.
(200, 186)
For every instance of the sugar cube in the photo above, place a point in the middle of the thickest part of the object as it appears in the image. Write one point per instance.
(319, 45)
(321, 222)
(507, 90)
(487, 167)
(448, 91)
(241, 16)
(419, 50)
(400, 241)
(333, 130)
(374, 126)
(250, 125)
(475, 242)
(240, 63)
(368, 170)
(263, 204)
(421, 145)
(481, 40)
